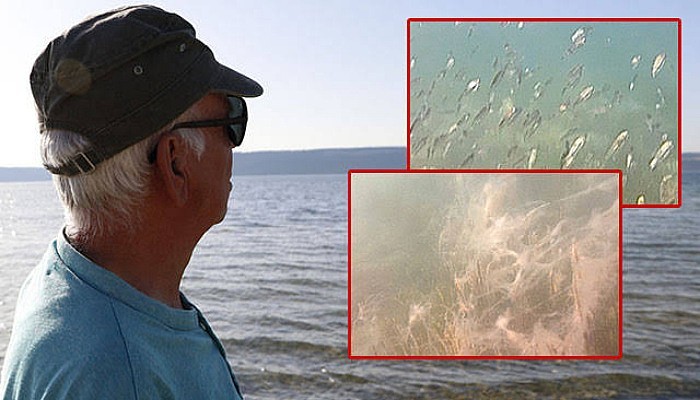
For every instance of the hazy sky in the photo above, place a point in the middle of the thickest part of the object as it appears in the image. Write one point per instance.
(334, 72)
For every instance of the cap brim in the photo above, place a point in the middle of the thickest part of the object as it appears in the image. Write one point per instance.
(234, 83)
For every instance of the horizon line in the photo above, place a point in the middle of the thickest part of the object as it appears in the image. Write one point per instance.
(261, 151)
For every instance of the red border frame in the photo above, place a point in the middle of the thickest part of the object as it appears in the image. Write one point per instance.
(489, 171)
(677, 20)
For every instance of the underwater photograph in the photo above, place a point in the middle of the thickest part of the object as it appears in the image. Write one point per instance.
(554, 95)
(485, 264)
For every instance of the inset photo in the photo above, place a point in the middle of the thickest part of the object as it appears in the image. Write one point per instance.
(485, 264)
(549, 94)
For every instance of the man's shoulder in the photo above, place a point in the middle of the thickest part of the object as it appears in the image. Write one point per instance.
(59, 318)
(54, 305)
(65, 339)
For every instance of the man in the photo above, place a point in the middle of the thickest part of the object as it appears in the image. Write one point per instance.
(138, 121)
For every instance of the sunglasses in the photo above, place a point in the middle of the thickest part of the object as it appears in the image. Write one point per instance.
(234, 123)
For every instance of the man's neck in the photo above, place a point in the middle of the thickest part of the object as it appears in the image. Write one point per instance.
(152, 262)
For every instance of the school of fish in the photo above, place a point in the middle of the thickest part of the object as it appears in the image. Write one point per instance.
(508, 111)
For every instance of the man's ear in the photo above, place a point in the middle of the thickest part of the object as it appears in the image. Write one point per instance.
(173, 167)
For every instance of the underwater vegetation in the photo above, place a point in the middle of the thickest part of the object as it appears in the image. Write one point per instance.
(485, 264)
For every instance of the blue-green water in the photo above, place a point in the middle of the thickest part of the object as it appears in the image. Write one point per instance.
(530, 108)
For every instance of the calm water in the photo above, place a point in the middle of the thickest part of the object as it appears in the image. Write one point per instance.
(272, 279)
(549, 95)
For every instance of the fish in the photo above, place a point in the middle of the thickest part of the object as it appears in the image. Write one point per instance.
(509, 116)
(563, 107)
(641, 199)
(635, 61)
(465, 119)
(573, 77)
(617, 143)
(497, 77)
(492, 97)
(467, 160)
(531, 117)
(578, 39)
(668, 190)
(473, 85)
(628, 162)
(661, 153)
(510, 53)
(633, 82)
(575, 71)
(650, 123)
(521, 24)
(568, 134)
(413, 62)
(539, 88)
(441, 74)
(414, 122)
(585, 94)
(418, 145)
(573, 150)
(578, 34)
(529, 72)
(454, 127)
(658, 63)
(531, 159)
(616, 99)
(447, 148)
(515, 115)
(460, 97)
(662, 99)
(450, 62)
(536, 120)
(480, 115)
(429, 149)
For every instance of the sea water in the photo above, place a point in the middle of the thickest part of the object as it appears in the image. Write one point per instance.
(272, 279)
(527, 95)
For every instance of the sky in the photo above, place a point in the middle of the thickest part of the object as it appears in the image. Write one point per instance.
(334, 72)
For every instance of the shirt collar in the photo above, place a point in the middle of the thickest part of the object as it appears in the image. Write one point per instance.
(113, 286)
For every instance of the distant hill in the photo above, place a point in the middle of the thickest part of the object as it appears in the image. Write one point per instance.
(691, 162)
(324, 161)
(23, 174)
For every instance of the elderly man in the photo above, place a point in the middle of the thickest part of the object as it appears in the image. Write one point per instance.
(138, 121)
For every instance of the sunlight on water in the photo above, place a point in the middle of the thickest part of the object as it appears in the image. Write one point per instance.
(549, 95)
(500, 264)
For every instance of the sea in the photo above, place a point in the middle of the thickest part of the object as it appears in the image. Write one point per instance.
(272, 279)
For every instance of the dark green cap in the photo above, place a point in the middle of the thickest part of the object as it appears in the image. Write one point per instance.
(121, 76)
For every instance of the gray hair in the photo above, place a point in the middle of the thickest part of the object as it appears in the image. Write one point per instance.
(107, 198)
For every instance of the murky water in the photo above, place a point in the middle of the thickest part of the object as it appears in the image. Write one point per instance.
(549, 95)
(485, 264)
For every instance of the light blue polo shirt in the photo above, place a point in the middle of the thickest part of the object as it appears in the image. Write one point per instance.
(81, 332)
